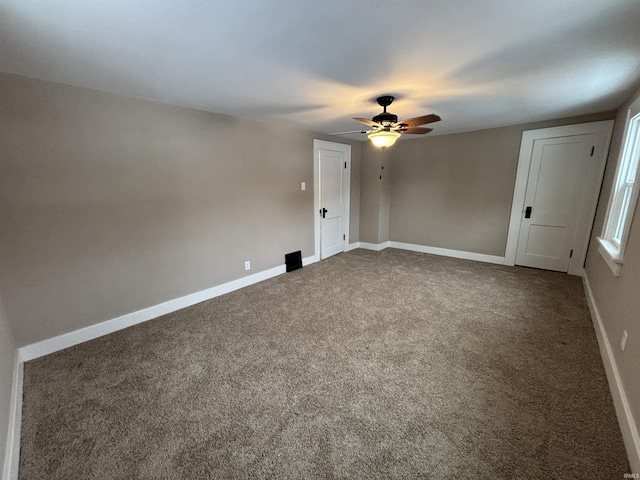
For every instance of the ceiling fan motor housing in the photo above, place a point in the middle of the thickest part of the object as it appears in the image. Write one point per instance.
(385, 118)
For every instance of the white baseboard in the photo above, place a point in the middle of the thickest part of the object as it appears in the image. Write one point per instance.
(309, 260)
(12, 453)
(352, 246)
(626, 421)
(373, 246)
(51, 345)
(478, 257)
(445, 252)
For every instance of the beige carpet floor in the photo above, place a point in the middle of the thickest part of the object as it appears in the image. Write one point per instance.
(388, 364)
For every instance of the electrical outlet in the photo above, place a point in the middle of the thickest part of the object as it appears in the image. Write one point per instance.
(247, 265)
(623, 342)
(303, 186)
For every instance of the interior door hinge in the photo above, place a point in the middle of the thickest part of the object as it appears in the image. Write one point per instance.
(592, 150)
(345, 164)
(571, 253)
(344, 237)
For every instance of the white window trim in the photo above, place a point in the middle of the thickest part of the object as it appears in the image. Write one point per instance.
(613, 252)
(611, 255)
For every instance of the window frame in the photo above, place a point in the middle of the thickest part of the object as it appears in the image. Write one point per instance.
(624, 195)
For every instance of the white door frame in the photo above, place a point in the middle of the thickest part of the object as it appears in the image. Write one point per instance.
(346, 149)
(602, 131)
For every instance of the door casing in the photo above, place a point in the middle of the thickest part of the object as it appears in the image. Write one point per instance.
(602, 131)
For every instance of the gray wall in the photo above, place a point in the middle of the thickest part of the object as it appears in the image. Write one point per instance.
(455, 191)
(370, 193)
(112, 204)
(7, 355)
(451, 191)
(375, 194)
(356, 165)
(618, 298)
(386, 171)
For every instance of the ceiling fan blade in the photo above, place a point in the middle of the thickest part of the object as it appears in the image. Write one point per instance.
(416, 130)
(353, 131)
(423, 120)
(366, 121)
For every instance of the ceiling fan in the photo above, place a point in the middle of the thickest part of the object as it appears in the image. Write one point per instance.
(385, 127)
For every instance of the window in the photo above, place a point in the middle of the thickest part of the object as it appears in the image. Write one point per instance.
(623, 196)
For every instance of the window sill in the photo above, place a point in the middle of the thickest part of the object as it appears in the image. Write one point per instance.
(611, 255)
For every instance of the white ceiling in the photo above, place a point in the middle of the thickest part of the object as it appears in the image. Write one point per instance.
(317, 63)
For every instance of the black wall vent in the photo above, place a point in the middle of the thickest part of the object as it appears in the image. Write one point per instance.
(293, 260)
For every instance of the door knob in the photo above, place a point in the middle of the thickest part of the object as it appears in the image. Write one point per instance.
(324, 212)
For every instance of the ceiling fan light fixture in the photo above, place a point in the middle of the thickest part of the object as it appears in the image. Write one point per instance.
(384, 139)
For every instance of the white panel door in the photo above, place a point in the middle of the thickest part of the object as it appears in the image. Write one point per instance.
(554, 198)
(332, 202)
